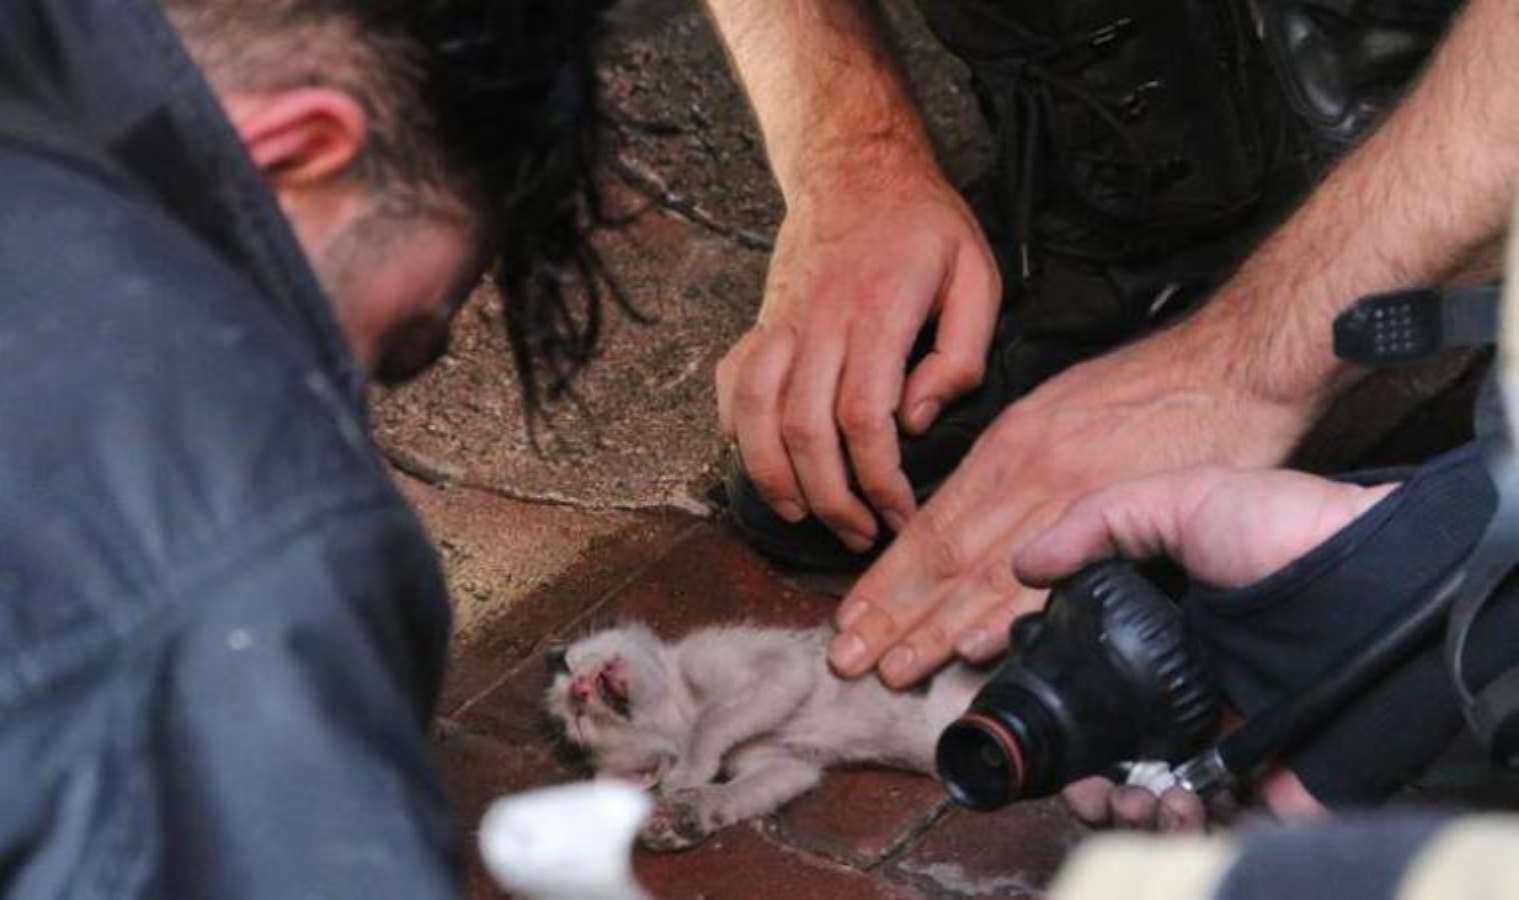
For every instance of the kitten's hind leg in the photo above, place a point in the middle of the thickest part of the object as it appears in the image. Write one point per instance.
(763, 781)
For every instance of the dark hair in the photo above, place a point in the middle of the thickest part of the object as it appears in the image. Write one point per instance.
(516, 94)
(492, 100)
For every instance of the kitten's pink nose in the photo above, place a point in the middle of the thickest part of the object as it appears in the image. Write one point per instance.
(581, 689)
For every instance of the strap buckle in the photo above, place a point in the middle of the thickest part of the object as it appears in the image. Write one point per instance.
(1409, 326)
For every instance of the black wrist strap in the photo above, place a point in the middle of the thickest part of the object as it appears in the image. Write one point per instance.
(1408, 326)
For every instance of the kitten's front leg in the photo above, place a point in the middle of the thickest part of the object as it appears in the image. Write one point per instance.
(684, 818)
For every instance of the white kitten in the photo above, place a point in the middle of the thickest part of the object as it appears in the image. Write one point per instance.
(730, 723)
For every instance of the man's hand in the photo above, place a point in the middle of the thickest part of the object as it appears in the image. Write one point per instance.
(947, 584)
(858, 270)
(875, 243)
(1227, 529)
(1100, 803)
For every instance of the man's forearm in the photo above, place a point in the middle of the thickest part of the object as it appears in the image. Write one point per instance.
(1430, 188)
(829, 98)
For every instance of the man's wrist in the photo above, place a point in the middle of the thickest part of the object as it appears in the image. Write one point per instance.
(1263, 358)
(861, 159)
(1277, 315)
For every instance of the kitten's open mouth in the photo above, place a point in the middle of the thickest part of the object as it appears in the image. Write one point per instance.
(613, 690)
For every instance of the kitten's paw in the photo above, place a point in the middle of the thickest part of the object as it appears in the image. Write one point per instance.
(676, 824)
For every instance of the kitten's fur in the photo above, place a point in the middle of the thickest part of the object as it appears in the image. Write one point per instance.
(730, 723)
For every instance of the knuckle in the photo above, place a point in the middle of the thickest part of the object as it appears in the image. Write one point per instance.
(881, 493)
(859, 419)
(965, 372)
(999, 579)
(931, 639)
(773, 480)
(749, 395)
(834, 509)
(800, 433)
(750, 388)
(782, 333)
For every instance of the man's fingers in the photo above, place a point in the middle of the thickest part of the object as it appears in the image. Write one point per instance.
(946, 541)
(1133, 807)
(1181, 810)
(931, 642)
(971, 619)
(988, 638)
(811, 439)
(868, 396)
(967, 319)
(982, 639)
(1087, 800)
(756, 400)
(865, 628)
(1097, 802)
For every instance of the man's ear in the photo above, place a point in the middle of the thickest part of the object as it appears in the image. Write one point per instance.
(302, 136)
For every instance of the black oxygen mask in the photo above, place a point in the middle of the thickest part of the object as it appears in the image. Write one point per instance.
(1104, 674)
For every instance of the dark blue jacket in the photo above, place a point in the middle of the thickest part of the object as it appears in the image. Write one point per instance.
(221, 628)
